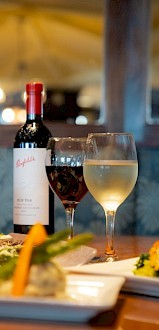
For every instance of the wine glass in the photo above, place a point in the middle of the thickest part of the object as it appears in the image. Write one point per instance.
(64, 168)
(110, 172)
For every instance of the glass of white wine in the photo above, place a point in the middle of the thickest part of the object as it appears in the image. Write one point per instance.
(110, 173)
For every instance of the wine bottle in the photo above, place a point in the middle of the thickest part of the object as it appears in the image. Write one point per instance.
(33, 200)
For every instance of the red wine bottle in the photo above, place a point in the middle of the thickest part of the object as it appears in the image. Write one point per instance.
(33, 200)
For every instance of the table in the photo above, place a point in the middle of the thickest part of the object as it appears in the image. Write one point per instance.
(131, 311)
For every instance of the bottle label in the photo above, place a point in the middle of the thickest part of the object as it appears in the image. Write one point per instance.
(30, 187)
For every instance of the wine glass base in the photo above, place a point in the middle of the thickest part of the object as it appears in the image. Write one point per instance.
(104, 258)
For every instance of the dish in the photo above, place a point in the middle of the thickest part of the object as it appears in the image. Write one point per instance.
(133, 283)
(87, 296)
(80, 256)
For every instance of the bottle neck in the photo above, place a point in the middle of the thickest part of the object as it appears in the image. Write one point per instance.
(34, 106)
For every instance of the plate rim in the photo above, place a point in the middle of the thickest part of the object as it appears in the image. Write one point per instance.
(50, 307)
(133, 283)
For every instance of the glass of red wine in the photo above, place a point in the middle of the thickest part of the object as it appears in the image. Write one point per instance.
(64, 169)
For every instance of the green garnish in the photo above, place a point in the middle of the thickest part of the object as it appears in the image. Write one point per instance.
(140, 262)
(7, 269)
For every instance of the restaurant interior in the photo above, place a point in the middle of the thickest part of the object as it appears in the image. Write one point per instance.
(99, 63)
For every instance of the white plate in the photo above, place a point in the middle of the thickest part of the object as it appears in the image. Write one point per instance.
(80, 256)
(88, 295)
(137, 284)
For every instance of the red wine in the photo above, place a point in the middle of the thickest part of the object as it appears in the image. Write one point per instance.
(33, 200)
(68, 183)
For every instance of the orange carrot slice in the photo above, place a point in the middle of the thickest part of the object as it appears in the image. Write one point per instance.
(36, 236)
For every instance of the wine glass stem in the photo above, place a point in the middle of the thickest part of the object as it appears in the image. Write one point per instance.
(69, 220)
(110, 219)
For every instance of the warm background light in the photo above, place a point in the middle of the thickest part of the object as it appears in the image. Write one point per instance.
(13, 116)
(8, 115)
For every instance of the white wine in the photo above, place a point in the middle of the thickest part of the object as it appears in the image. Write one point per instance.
(110, 181)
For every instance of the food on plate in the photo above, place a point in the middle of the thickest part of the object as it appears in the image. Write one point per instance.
(148, 263)
(32, 269)
(3, 236)
(9, 248)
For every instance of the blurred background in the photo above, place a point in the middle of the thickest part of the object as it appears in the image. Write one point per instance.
(60, 43)
(99, 62)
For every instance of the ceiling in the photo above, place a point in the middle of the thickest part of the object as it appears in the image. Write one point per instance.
(57, 41)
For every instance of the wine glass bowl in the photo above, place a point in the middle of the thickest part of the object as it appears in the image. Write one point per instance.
(64, 168)
(110, 173)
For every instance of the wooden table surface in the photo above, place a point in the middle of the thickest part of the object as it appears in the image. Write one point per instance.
(131, 312)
